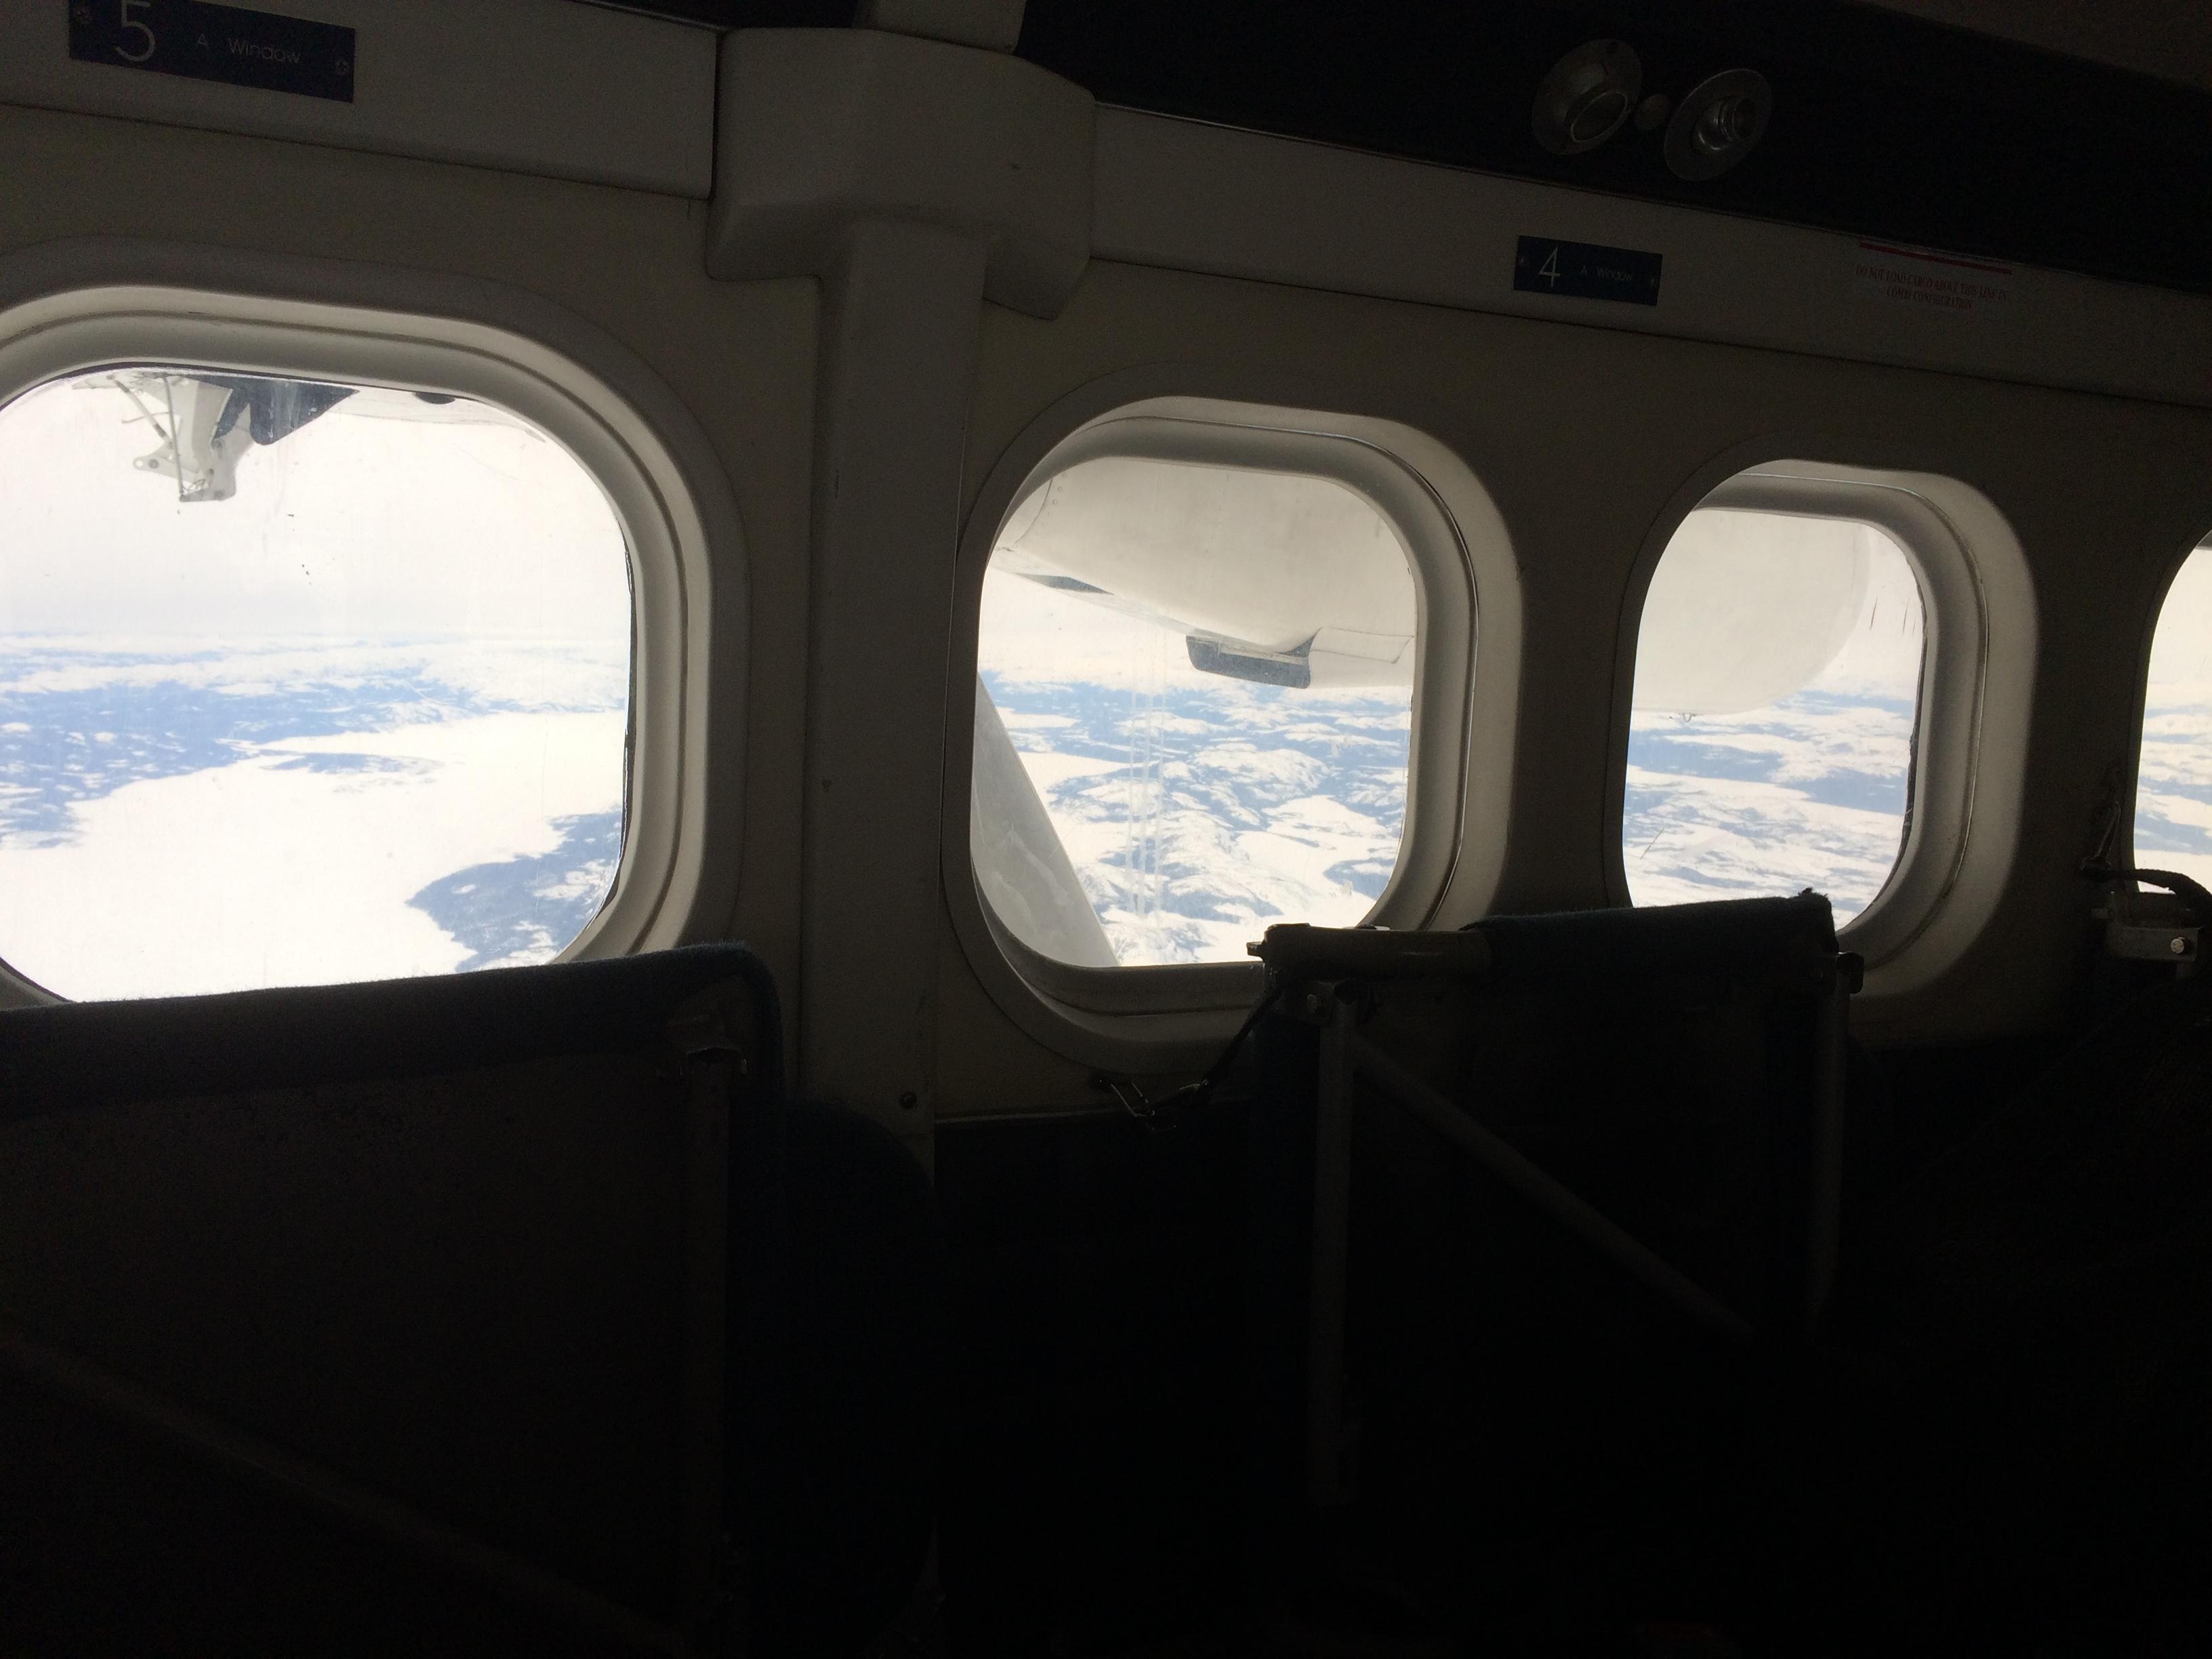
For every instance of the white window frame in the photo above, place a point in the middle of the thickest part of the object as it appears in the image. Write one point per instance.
(1457, 796)
(1971, 716)
(666, 517)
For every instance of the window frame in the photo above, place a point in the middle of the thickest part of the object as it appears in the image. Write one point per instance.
(2129, 808)
(664, 528)
(1970, 717)
(1467, 656)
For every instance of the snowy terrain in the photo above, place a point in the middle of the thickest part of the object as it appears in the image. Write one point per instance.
(362, 716)
(1198, 810)
(176, 818)
(1808, 793)
(2173, 790)
(1195, 816)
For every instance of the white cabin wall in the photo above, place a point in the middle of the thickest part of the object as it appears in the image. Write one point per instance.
(1594, 441)
(1591, 438)
(572, 92)
(740, 356)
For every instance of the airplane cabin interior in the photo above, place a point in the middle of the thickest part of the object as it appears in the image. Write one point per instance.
(1109, 831)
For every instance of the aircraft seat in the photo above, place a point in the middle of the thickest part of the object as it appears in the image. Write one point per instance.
(2005, 1446)
(1583, 1183)
(451, 1314)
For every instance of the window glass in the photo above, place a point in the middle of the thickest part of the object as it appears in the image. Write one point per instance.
(1777, 678)
(299, 683)
(1196, 709)
(2173, 779)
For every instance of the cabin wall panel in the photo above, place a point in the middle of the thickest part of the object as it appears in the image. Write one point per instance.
(1592, 440)
(1191, 196)
(567, 91)
(1595, 442)
(739, 355)
(2107, 498)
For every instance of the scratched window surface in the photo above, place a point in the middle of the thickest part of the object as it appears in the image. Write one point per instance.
(2173, 779)
(299, 683)
(1771, 743)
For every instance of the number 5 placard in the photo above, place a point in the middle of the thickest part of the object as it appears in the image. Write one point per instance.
(208, 42)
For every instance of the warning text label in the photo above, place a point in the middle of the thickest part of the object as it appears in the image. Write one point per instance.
(1935, 284)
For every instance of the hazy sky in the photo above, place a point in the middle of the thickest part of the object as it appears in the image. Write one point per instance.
(385, 518)
(2183, 648)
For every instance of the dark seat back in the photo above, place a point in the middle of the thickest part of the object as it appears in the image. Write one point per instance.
(1548, 1438)
(496, 1271)
(2007, 1446)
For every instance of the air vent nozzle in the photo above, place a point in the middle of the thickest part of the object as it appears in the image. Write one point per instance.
(1587, 97)
(1718, 124)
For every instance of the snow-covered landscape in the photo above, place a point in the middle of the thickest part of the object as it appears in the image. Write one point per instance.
(1198, 810)
(177, 819)
(1194, 816)
(2173, 792)
(1808, 793)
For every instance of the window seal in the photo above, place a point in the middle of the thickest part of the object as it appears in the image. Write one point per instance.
(1970, 722)
(2127, 807)
(1161, 1015)
(665, 506)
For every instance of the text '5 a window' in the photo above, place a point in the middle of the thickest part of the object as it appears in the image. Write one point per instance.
(1195, 709)
(1772, 741)
(299, 682)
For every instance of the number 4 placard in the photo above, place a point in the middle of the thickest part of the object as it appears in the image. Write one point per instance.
(1585, 270)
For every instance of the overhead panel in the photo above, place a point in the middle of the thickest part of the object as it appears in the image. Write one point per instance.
(1842, 116)
(541, 86)
(1187, 196)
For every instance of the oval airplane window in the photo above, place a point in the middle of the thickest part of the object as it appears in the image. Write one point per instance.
(1195, 709)
(1776, 704)
(2173, 772)
(300, 682)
